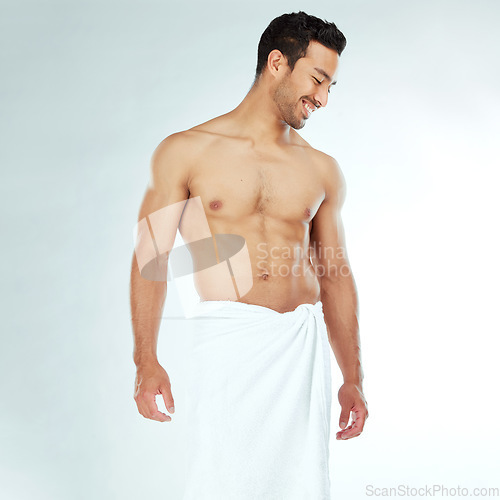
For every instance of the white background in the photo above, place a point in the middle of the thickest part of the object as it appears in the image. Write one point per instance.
(89, 89)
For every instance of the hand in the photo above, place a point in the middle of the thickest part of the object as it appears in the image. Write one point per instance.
(352, 402)
(151, 380)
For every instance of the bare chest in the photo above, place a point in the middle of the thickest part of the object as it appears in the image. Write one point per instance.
(234, 186)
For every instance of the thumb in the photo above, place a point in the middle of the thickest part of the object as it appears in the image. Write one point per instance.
(168, 399)
(344, 418)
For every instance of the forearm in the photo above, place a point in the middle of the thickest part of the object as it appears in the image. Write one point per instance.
(340, 308)
(147, 299)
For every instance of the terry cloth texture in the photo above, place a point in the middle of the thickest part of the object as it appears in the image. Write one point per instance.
(258, 403)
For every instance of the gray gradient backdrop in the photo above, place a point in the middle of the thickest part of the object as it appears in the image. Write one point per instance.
(90, 88)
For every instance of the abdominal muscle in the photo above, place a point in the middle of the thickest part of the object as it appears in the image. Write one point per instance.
(268, 272)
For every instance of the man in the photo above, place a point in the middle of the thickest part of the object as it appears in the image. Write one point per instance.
(248, 174)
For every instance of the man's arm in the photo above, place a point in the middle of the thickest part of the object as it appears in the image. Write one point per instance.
(339, 298)
(158, 220)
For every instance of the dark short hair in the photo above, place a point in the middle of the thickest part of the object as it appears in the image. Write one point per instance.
(291, 34)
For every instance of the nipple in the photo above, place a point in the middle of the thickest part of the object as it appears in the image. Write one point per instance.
(216, 204)
(307, 212)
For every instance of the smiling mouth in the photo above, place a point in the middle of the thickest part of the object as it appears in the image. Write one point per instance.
(308, 108)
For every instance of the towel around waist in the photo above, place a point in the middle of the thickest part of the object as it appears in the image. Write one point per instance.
(230, 309)
(218, 323)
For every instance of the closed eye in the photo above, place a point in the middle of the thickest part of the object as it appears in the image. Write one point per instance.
(319, 83)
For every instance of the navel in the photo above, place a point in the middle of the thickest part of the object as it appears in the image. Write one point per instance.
(265, 276)
(216, 204)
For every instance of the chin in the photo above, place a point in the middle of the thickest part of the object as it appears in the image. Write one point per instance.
(293, 120)
(298, 125)
(295, 123)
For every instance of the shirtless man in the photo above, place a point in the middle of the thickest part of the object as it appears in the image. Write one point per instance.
(258, 178)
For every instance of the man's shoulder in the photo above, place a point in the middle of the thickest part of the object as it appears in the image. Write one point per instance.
(328, 169)
(318, 156)
(179, 150)
(197, 139)
(327, 163)
(216, 125)
(185, 141)
(334, 180)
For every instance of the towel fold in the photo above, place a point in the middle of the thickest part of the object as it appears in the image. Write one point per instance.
(258, 403)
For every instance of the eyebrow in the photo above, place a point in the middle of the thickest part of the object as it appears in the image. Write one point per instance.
(325, 74)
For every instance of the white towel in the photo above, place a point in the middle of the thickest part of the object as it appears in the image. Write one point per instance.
(258, 403)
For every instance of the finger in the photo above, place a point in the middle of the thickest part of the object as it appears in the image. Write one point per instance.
(356, 428)
(348, 433)
(352, 432)
(146, 402)
(160, 417)
(152, 410)
(344, 418)
(341, 434)
(168, 399)
(344, 437)
(360, 417)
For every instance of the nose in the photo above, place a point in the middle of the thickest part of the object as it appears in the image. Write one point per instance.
(321, 97)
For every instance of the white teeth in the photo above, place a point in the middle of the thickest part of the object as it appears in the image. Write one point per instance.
(308, 107)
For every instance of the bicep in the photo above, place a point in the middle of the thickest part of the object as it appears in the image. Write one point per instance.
(168, 177)
(164, 200)
(327, 239)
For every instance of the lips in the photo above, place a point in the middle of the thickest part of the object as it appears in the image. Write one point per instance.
(308, 107)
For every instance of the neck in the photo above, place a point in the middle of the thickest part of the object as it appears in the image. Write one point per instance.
(258, 118)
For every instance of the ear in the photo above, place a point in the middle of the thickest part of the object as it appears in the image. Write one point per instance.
(276, 63)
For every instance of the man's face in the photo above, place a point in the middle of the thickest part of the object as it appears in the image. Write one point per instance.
(306, 86)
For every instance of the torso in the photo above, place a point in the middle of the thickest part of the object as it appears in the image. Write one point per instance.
(267, 197)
